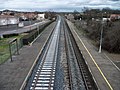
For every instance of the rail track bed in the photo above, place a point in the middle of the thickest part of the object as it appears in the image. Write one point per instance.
(61, 65)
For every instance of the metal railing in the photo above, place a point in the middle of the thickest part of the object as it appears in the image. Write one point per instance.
(9, 49)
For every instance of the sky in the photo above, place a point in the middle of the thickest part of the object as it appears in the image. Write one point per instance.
(57, 5)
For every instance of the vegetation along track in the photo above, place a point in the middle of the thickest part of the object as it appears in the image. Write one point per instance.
(61, 65)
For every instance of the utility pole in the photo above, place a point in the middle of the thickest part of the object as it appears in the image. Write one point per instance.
(30, 19)
(101, 36)
(7, 20)
(38, 29)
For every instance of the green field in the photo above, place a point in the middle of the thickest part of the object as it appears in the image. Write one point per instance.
(4, 47)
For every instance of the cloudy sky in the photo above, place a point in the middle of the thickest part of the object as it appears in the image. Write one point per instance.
(57, 5)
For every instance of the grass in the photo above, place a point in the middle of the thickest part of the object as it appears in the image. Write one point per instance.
(4, 48)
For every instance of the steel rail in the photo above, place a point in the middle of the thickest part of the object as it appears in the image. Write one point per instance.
(43, 60)
(25, 82)
(86, 74)
(68, 63)
(49, 58)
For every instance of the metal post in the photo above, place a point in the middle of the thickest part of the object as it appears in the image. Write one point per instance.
(30, 23)
(38, 29)
(101, 36)
(30, 20)
(10, 52)
(17, 47)
(7, 21)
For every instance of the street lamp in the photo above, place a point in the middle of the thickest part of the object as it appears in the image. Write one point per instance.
(101, 36)
(30, 21)
(38, 29)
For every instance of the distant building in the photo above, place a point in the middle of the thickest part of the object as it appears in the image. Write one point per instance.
(105, 19)
(8, 12)
(8, 20)
(70, 17)
(21, 24)
(23, 17)
(41, 16)
(27, 16)
(114, 16)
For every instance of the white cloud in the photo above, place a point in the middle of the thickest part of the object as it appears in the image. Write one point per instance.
(97, 4)
(58, 4)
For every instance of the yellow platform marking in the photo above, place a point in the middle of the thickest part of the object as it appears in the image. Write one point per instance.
(94, 62)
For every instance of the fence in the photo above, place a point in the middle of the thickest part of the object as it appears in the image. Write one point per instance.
(4, 49)
(34, 33)
(4, 45)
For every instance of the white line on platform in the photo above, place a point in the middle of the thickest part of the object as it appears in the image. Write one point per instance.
(112, 62)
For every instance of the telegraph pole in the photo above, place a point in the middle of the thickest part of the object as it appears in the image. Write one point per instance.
(101, 35)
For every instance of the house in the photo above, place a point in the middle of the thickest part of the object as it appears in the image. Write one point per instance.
(70, 17)
(6, 12)
(27, 16)
(41, 16)
(114, 16)
(105, 19)
(8, 20)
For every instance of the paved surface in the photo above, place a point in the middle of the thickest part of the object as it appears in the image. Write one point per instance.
(12, 74)
(15, 30)
(14, 27)
(115, 58)
(105, 73)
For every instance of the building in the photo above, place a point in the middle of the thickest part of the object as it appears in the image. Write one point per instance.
(26, 16)
(8, 20)
(114, 16)
(41, 16)
(105, 19)
(70, 17)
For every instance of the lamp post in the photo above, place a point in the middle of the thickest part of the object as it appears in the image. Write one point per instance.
(30, 21)
(101, 35)
(38, 28)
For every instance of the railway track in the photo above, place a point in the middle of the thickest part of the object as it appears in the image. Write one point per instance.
(44, 77)
(88, 81)
(61, 65)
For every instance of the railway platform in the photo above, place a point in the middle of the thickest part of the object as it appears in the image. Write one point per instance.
(12, 74)
(105, 73)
